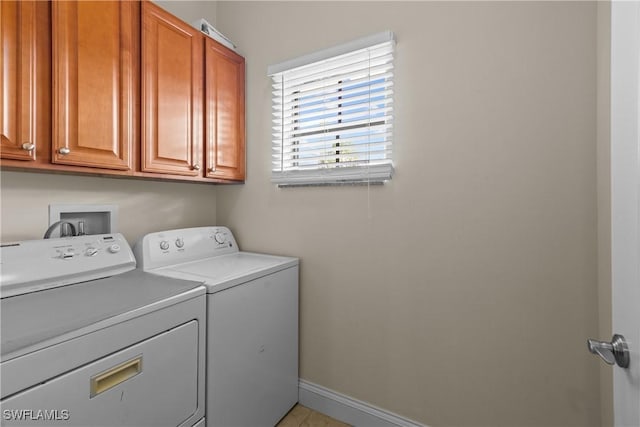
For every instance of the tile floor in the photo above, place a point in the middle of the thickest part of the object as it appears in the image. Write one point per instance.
(301, 416)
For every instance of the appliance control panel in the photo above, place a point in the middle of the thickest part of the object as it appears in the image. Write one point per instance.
(171, 247)
(98, 248)
(35, 265)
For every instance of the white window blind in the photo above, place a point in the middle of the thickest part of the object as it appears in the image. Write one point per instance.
(333, 114)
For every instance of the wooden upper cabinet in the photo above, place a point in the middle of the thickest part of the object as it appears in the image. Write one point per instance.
(118, 87)
(25, 110)
(224, 113)
(95, 72)
(172, 91)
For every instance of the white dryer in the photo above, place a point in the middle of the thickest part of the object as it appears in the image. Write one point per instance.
(252, 321)
(89, 341)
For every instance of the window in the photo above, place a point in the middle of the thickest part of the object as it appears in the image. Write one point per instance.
(332, 114)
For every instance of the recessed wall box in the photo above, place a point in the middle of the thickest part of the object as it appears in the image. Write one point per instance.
(87, 219)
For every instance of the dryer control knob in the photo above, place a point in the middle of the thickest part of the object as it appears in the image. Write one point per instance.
(91, 251)
(220, 238)
(115, 248)
(179, 242)
(68, 254)
(164, 245)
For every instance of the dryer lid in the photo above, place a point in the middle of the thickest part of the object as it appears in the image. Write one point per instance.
(39, 319)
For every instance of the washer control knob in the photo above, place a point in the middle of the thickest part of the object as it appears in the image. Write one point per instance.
(220, 237)
(164, 245)
(68, 254)
(115, 248)
(179, 242)
(91, 251)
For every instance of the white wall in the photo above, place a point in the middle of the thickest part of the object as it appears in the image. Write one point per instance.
(462, 292)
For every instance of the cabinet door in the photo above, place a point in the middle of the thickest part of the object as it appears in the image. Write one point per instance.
(94, 83)
(224, 111)
(25, 109)
(172, 80)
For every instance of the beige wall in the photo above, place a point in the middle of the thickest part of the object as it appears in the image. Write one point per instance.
(604, 203)
(190, 10)
(462, 292)
(143, 206)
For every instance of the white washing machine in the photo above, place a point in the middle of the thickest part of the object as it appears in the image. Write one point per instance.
(86, 340)
(252, 321)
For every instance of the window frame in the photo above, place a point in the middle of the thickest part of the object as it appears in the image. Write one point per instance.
(363, 169)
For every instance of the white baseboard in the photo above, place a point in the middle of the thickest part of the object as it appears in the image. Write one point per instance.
(348, 409)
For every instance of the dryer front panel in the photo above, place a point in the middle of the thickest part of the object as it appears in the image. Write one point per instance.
(153, 383)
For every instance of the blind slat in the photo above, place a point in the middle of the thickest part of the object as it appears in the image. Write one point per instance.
(370, 130)
(333, 105)
(295, 104)
(377, 173)
(336, 120)
(309, 92)
(362, 62)
(362, 151)
(362, 121)
(333, 165)
(353, 140)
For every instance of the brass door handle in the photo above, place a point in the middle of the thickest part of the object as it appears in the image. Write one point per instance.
(113, 376)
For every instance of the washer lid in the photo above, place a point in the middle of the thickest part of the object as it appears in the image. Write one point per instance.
(222, 272)
(39, 319)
